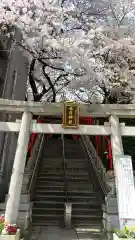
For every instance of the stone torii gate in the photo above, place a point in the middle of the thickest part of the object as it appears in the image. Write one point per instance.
(27, 125)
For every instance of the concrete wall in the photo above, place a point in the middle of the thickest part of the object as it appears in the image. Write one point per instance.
(110, 209)
(14, 88)
(110, 213)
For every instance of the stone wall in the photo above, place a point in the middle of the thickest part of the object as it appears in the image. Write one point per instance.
(110, 213)
(110, 208)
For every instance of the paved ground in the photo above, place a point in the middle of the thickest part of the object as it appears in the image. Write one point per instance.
(56, 233)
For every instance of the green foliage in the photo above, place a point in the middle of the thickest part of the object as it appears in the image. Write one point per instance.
(1, 226)
(126, 232)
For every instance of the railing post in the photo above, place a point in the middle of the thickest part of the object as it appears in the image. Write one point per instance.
(13, 200)
(68, 214)
(116, 140)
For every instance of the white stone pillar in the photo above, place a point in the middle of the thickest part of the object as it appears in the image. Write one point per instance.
(116, 140)
(13, 200)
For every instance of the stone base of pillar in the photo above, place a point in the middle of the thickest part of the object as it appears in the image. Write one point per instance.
(110, 214)
(25, 213)
(11, 237)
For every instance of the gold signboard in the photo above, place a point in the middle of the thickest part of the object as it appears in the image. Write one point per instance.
(70, 115)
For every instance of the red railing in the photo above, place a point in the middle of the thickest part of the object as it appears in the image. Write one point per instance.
(99, 140)
(32, 140)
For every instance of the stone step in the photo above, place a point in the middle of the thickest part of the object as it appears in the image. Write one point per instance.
(61, 174)
(61, 186)
(45, 202)
(43, 183)
(60, 159)
(88, 211)
(45, 215)
(48, 222)
(59, 165)
(74, 216)
(62, 198)
(73, 194)
(75, 211)
(61, 182)
(70, 191)
(90, 216)
(48, 204)
(50, 196)
(93, 225)
(55, 177)
(61, 171)
(88, 224)
(48, 210)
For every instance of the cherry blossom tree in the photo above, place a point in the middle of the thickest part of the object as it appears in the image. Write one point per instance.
(73, 51)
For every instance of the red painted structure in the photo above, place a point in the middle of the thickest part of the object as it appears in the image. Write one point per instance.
(99, 140)
(32, 139)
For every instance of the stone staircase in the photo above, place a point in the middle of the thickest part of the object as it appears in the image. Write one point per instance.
(82, 190)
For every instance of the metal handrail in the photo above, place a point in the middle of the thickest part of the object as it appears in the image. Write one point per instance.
(96, 164)
(34, 173)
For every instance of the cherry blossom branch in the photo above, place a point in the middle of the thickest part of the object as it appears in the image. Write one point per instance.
(36, 96)
(50, 83)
